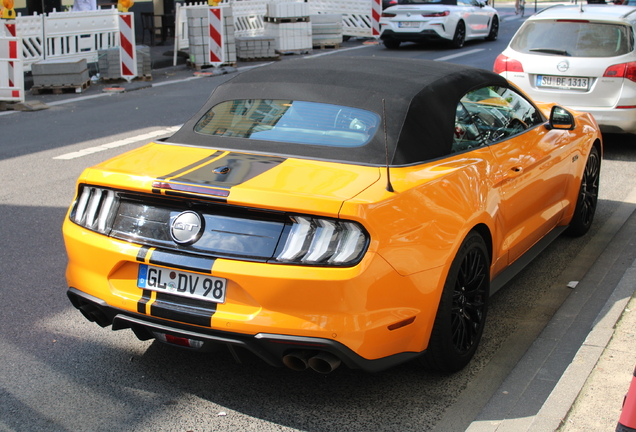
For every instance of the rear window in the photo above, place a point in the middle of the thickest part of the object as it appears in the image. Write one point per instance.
(290, 121)
(573, 38)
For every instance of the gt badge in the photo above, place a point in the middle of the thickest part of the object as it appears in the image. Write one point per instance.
(186, 228)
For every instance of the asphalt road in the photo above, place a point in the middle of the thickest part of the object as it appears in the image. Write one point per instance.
(59, 372)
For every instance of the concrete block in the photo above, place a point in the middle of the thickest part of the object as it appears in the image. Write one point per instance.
(59, 67)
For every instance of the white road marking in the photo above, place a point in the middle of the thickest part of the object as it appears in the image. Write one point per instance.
(339, 51)
(461, 54)
(120, 143)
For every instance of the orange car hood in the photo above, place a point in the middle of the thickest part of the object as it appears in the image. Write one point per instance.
(275, 183)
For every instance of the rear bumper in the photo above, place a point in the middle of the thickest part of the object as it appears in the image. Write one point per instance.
(613, 120)
(269, 347)
(423, 36)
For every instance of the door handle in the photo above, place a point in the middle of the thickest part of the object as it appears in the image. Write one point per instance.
(514, 171)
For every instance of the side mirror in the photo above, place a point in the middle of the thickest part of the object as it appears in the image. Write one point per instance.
(560, 118)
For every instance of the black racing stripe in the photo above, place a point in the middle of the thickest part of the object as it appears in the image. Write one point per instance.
(145, 298)
(180, 171)
(230, 170)
(182, 261)
(146, 294)
(141, 255)
(183, 309)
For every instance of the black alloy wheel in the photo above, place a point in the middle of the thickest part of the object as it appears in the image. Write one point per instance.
(494, 29)
(462, 311)
(467, 312)
(588, 196)
(460, 35)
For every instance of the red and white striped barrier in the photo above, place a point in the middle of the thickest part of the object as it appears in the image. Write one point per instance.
(127, 51)
(627, 421)
(216, 52)
(11, 68)
(376, 12)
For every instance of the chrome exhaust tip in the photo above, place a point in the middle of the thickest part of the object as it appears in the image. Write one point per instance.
(324, 362)
(297, 360)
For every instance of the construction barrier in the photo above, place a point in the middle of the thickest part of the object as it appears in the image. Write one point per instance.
(215, 25)
(127, 51)
(360, 18)
(376, 12)
(627, 421)
(357, 17)
(11, 70)
(66, 35)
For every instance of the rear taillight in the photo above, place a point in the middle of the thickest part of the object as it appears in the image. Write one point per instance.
(94, 208)
(387, 15)
(318, 241)
(623, 70)
(506, 64)
(436, 14)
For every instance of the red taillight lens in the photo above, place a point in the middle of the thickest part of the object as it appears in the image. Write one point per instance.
(506, 64)
(387, 15)
(436, 14)
(623, 70)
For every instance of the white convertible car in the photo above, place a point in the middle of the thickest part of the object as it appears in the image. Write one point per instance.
(425, 20)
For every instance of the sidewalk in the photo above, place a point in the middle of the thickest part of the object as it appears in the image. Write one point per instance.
(540, 394)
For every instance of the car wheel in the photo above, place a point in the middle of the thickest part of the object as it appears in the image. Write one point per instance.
(494, 29)
(588, 196)
(460, 35)
(391, 44)
(461, 314)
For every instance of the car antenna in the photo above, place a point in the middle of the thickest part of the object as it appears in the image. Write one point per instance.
(389, 187)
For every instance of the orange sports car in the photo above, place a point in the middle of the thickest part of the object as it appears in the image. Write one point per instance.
(317, 213)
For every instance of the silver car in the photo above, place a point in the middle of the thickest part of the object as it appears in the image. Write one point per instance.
(579, 56)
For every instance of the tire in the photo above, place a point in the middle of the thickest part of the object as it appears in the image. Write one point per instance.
(494, 29)
(391, 44)
(460, 35)
(588, 196)
(462, 310)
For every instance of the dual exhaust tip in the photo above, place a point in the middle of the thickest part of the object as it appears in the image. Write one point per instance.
(322, 361)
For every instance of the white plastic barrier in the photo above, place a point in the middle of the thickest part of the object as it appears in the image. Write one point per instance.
(248, 17)
(80, 35)
(11, 71)
(67, 35)
(31, 30)
(357, 19)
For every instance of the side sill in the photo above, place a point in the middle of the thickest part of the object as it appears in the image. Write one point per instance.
(511, 271)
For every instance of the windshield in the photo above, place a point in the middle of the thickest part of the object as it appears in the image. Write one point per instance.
(573, 38)
(290, 121)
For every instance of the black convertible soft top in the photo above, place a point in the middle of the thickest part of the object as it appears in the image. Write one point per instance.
(420, 96)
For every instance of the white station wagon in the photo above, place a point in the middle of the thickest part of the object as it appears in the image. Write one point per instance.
(579, 56)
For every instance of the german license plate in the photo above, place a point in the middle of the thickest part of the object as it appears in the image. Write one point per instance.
(408, 24)
(563, 83)
(182, 283)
